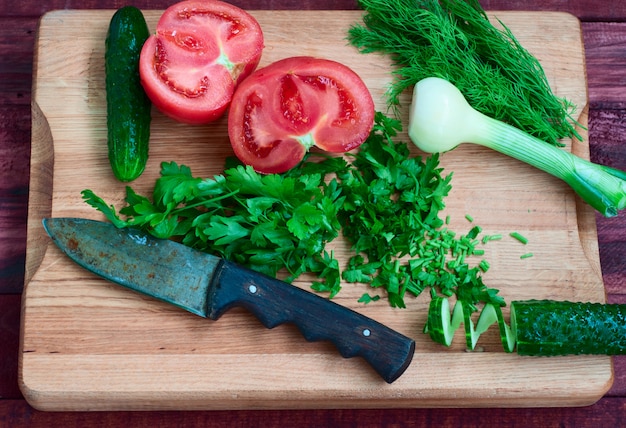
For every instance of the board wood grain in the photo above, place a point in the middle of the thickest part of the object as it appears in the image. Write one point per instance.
(89, 345)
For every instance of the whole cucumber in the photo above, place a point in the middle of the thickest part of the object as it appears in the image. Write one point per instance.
(128, 106)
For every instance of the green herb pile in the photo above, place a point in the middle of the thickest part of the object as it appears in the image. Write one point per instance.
(454, 40)
(266, 222)
(386, 203)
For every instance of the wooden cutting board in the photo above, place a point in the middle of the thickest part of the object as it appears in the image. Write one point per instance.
(89, 345)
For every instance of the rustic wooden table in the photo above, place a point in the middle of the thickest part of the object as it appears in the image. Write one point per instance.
(604, 33)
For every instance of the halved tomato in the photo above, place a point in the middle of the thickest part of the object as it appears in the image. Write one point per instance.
(280, 111)
(200, 52)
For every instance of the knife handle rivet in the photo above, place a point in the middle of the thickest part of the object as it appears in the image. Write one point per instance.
(252, 288)
(367, 332)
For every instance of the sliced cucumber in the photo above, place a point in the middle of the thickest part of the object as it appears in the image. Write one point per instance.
(538, 327)
(493, 314)
(441, 325)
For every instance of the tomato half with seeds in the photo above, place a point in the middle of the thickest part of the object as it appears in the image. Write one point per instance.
(280, 111)
(199, 54)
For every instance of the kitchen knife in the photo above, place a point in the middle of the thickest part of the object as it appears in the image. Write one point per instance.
(208, 286)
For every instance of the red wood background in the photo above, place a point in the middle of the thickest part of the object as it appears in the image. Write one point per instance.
(604, 33)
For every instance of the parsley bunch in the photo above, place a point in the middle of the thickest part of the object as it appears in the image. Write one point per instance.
(266, 222)
(385, 202)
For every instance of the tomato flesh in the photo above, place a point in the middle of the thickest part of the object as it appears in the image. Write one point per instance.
(279, 112)
(201, 51)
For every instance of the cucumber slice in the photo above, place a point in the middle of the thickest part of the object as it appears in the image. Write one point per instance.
(441, 325)
(471, 336)
(493, 314)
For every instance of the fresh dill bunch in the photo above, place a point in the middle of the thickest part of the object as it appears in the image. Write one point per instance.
(454, 40)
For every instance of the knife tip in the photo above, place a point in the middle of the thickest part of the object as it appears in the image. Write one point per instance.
(44, 222)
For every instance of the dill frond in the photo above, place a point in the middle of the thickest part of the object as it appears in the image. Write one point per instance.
(454, 40)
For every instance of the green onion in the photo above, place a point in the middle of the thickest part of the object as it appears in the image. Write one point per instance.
(441, 119)
(488, 238)
(519, 237)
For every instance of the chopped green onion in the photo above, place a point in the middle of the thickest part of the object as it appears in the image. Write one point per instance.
(488, 238)
(519, 237)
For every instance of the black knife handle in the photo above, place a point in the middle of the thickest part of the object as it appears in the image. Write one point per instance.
(275, 302)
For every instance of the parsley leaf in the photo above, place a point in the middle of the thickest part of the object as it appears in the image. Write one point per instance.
(366, 298)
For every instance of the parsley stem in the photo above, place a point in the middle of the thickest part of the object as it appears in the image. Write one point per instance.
(205, 202)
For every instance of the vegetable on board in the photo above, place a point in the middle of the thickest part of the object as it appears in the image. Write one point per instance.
(392, 220)
(440, 119)
(128, 107)
(269, 223)
(455, 40)
(280, 111)
(200, 52)
(385, 202)
(538, 327)
(387, 205)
